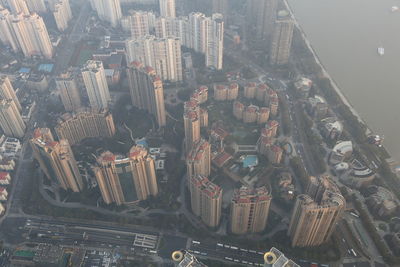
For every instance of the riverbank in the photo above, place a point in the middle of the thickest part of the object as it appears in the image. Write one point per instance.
(323, 69)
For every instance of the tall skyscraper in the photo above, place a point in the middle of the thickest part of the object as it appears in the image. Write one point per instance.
(215, 47)
(191, 121)
(10, 119)
(315, 215)
(69, 91)
(281, 42)
(164, 55)
(126, 180)
(56, 160)
(95, 81)
(7, 34)
(62, 14)
(31, 35)
(140, 23)
(261, 17)
(167, 8)
(206, 35)
(249, 210)
(108, 10)
(85, 123)
(36, 6)
(18, 6)
(7, 91)
(147, 91)
(206, 200)
(198, 161)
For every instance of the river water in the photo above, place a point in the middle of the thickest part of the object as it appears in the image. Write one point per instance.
(346, 34)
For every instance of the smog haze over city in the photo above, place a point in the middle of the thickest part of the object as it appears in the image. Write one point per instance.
(199, 133)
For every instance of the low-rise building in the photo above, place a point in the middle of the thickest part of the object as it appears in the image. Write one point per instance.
(3, 194)
(5, 178)
(317, 107)
(9, 146)
(7, 164)
(2, 209)
(303, 86)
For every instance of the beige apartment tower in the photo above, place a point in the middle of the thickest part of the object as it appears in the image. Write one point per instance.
(192, 125)
(31, 35)
(96, 85)
(62, 14)
(198, 161)
(162, 54)
(108, 10)
(7, 34)
(147, 91)
(56, 160)
(315, 215)
(85, 123)
(281, 41)
(206, 200)
(7, 91)
(167, 8)
(126, 180)
(69, 91)
(10, 119)
(249, 210)
(262, 14)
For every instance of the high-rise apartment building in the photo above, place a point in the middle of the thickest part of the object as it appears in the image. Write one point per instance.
(18, 6)
(281, 41)
(69, 91)
(147, 91)
(36, 6)
(95, 81)
(167, 8)
(7, 91)
(10, 119)
(85, 123)
(62, 14)
(7, 34)
(261, 17)
(315, 215)
(198, 161)
(31, 35)
(140, 23)
(215, 47)
(108, 10)
(206, 200)
(126, 180)
(249, 210)
(177, 27)
(162, 54)
(197, 31)
(56, 160)
(191, 120)
(206, 35)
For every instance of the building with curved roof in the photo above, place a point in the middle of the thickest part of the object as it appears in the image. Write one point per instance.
(84, 124)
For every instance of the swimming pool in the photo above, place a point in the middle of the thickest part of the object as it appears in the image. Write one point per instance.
(249, 161)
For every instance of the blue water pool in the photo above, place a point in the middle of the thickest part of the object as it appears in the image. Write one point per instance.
(249, 161)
